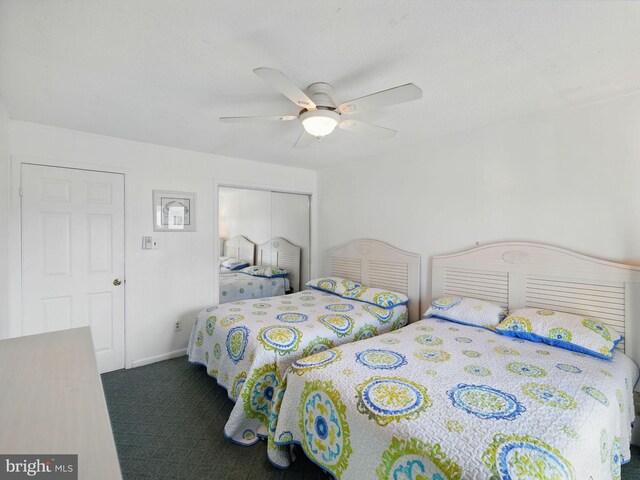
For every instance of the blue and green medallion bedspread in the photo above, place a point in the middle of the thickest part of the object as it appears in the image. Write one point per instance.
(240, 286)
(437, 400)
(249, 345)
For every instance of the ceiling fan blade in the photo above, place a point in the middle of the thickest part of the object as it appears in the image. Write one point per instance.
(364, 128)
(277, 80)
(392, 96)
(304, 140)
(275, 118)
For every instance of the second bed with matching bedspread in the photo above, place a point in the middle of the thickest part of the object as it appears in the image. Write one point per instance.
(239, 286)
(248, 346)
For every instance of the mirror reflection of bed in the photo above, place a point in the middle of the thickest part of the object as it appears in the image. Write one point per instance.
(263, 245)
(239, 281)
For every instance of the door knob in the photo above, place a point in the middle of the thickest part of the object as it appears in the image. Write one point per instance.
(117, 282)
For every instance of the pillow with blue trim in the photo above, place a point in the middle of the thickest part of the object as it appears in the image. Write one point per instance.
(267, 272)
(337, 285)
(467, 311)
(233, 264)
(564, 330)
(376, 296)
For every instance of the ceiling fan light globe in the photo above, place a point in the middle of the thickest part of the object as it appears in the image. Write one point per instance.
(320, 123)
(319, 126)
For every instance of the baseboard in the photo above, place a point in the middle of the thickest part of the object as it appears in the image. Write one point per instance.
(159, 358)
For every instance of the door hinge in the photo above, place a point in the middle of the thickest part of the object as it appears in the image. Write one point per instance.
(20, 191)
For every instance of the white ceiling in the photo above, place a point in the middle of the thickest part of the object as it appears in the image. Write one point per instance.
(163, 71)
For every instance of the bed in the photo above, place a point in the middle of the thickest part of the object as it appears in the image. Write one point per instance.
(249, 345)
(442, 400)
(277, 252)
(235, 286)
(241, 248)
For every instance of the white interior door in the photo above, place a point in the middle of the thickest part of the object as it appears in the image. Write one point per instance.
(73, 256)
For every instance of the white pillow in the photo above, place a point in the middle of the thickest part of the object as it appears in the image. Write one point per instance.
(467, 311)
(234, 264)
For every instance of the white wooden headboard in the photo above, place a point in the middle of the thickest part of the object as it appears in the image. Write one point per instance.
(520, 274)
(278, 252)
(241, 248)
(377, 264)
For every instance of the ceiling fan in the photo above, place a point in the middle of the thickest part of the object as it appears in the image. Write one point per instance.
(320, 115)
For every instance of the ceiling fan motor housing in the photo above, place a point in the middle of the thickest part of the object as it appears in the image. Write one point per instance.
(320, 93)
(323, 119)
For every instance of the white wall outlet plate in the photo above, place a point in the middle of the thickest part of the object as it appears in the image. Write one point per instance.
(177, 326)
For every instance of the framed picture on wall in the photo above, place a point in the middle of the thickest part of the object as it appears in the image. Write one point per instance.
(174, 211)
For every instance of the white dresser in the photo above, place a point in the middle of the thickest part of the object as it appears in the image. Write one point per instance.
(52, 401)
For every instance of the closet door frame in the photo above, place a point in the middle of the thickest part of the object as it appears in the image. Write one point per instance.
(274, 188)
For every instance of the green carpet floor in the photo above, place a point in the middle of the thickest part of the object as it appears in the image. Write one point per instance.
(168, 420)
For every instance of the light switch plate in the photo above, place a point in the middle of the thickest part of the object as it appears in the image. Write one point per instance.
(149, 243)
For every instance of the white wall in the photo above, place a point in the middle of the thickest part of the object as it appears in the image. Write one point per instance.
(177, 280)
(4, 225)
(569, 178)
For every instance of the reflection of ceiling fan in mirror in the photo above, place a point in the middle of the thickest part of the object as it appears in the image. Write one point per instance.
(320, 115)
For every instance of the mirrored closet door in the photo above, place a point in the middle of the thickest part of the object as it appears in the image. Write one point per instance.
(264, 243)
